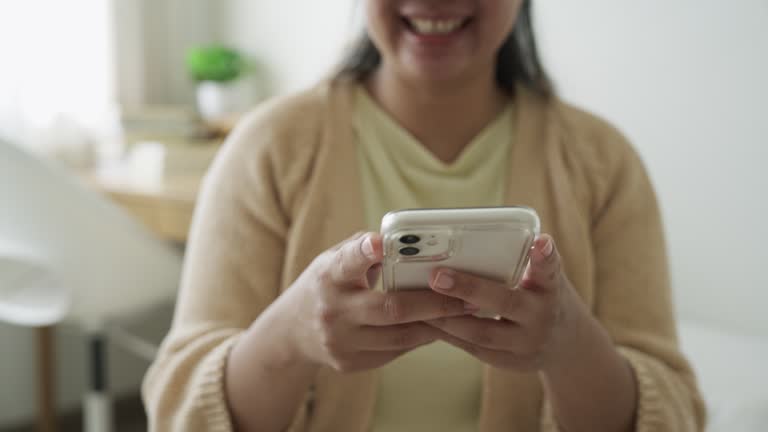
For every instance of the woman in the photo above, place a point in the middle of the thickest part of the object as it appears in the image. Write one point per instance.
(445, 105)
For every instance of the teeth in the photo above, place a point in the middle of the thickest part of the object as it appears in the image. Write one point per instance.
(428, 26)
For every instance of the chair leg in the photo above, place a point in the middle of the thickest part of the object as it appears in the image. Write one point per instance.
(97, 404)
(46, 380)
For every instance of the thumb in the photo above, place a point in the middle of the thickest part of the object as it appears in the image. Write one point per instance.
(352, 260)
(543, 272)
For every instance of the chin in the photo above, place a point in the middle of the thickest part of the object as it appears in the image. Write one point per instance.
(437, 72)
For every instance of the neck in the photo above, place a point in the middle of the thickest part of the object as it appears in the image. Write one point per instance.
(444, 117)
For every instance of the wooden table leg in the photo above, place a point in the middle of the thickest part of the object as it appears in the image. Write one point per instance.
(46, 380)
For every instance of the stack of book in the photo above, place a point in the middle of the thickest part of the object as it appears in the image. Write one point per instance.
(166, 124)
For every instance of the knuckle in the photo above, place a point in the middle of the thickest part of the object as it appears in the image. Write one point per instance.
(552, 276)
(393, 309)
(320, 259)
(554, 273)
(324, 259)
(325, 276)
(449, 306)
(327, 314)
(339, 262)
(549, 264)
(510, 303)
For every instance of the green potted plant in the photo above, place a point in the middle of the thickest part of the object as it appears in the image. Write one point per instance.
(220, 72)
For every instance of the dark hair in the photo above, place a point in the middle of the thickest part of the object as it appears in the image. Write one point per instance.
(517, 60)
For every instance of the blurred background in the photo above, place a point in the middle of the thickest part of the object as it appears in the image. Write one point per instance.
(119, 106)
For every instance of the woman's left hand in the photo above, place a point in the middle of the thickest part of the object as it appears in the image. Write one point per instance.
(537, 324)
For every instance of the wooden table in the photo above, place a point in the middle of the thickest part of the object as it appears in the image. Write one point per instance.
(164, 203)
(165, 208)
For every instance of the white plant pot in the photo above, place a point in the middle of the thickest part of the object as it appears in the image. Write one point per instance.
(216, 100)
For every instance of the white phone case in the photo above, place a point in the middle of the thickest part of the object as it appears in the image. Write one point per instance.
(493, 242)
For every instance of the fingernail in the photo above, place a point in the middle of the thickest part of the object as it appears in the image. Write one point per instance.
(444, 281)
(368, 247)
(548, 248)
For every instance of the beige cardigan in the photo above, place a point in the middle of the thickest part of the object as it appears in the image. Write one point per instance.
(286, 186)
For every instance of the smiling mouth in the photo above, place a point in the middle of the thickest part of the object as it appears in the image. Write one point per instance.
(435, 27)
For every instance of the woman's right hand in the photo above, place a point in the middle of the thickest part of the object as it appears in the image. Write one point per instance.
(339, 320)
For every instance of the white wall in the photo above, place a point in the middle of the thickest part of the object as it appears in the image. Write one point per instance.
(151, 41)
(687, 81)
(170, 28)
(298, 39)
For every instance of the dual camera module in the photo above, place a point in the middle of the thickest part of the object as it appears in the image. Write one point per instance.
(409, 240)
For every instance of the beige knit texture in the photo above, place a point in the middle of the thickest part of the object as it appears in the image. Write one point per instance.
(285, 187)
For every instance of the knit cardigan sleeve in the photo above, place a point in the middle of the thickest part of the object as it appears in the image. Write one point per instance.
(231, 274)
(633, 296)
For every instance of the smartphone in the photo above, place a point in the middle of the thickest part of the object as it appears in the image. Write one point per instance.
(492, 242)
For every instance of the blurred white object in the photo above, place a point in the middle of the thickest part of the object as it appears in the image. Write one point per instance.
(67, 253)
(217, 100)
(68, 142)
(731, 369)
(147, 163)
(30, 295)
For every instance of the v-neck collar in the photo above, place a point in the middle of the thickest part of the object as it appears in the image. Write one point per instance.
(404, 142)
(342, 156)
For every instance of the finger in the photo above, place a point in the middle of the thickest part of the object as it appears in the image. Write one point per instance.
(366, 360)
(505, 359)
(350, 262)
(400, 307)
(393, 338)
(544, 269)
(354, 236)
(500, 335)
(489, 296)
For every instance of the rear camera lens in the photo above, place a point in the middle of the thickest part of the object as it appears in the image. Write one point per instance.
(409, 251)
(410, 239)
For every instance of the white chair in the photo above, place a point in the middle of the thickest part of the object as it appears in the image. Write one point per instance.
(67, 254)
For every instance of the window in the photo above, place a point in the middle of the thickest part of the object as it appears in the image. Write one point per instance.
(56, 68)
